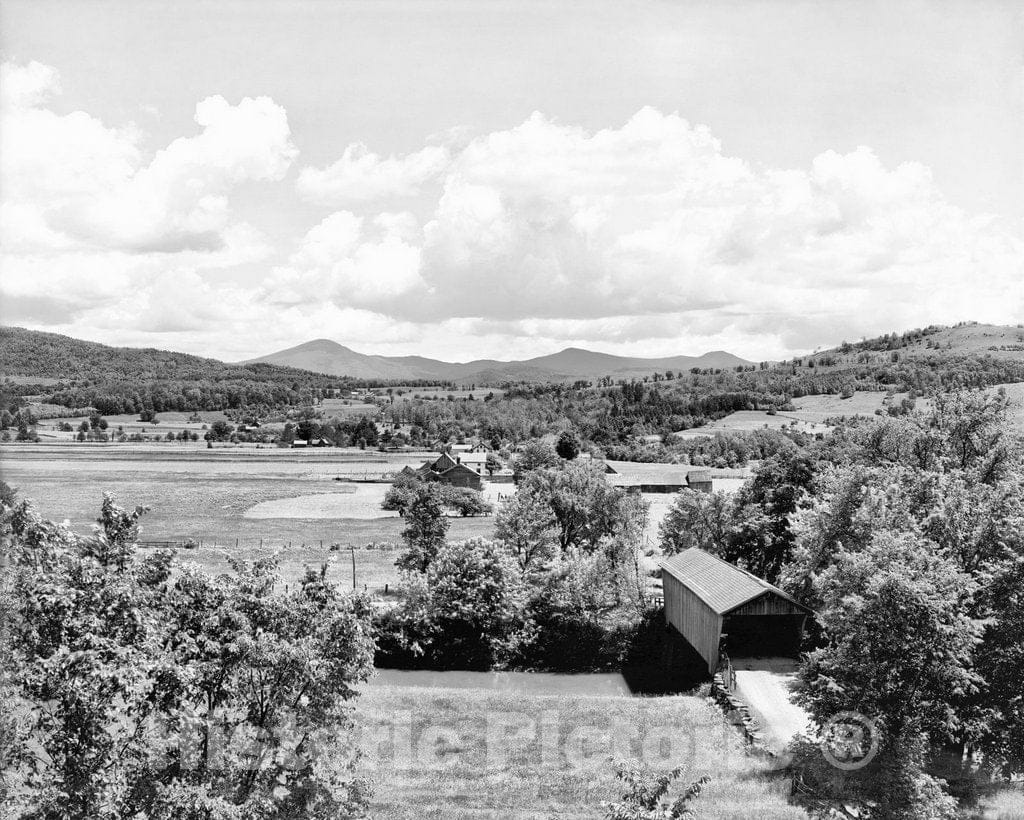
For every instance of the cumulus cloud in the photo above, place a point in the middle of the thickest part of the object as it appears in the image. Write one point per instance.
(647, 237)
(350, 262)
(95, 228)
(71, 182)
(652, 224)
(360, 175)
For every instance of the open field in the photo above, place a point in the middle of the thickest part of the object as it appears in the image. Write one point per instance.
(442, 393)
(809, 416)
(345, 408)
(249, 502)
(1015, 393)
(816, 409)
(747, 420)
(210, 496)
(170, 420)
(812, 412)
(548, 755)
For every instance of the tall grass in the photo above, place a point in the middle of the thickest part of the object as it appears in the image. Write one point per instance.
(474, 753)
(1004, 805)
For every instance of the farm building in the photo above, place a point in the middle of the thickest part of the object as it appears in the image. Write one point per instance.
(313, 442)
(477, 462)
(642, 477)
(447, 469)
(716, 605)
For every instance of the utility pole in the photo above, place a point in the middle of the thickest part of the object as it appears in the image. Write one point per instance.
(352, 547)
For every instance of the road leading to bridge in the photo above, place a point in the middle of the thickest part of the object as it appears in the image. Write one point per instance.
(766, 686)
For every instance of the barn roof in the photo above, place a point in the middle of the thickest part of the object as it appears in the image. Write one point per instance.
(457, 469)
(640, 473)
(472, 458)
(719, 584)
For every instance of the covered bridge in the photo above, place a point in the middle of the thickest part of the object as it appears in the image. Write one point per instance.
(708, 599)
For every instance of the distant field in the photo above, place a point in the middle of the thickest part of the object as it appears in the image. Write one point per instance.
(749, 420)
(454, 774)
(344, 408)
(1015, 392)
(818, 408)
(442, 393)
(809, 416)
(205, 495)
(247, 501)
(812, 412)
(173, 421)
(30, 380)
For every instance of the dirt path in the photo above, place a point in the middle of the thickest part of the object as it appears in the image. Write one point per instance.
(765, 685)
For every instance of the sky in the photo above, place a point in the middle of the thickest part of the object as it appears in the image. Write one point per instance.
(504, 179)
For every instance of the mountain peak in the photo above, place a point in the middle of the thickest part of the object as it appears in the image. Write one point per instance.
(326, 356)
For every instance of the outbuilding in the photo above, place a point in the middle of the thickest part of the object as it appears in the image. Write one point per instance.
(716, 605)
(654, 477)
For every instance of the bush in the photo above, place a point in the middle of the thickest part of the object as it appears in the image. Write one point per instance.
(466, 501)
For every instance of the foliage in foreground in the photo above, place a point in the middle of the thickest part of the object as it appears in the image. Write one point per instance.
(643, 796)
(560, 589)
(910, 549)
(189, 698)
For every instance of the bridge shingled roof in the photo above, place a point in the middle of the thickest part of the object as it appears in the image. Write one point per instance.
(719, 584)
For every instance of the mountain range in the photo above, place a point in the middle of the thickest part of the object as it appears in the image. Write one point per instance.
(326, 356)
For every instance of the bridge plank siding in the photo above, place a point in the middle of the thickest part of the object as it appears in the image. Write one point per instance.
(695, 621)
(706, 596)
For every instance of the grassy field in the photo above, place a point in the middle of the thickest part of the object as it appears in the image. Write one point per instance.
(169, 421)
(250, 503)
(1015, 393)
(812, 412)
(244, 502)
(548, 756)
(809, 415)
(748, 420)
(1003, 805)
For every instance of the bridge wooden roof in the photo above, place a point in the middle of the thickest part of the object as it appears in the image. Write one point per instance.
(719, 584)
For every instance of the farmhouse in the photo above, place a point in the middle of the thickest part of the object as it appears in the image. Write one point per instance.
(447, 469)
(715, 605)
(641, 477)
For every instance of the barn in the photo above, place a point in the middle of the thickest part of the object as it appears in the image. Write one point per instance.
(715, 605)
(449, 469)
(653, 477)
(458, 476)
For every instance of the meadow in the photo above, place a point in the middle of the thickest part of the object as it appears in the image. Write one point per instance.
(473, 753)
(810, 414)
(232, 501)
(249, 503)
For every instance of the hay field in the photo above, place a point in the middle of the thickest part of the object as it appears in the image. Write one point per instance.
(748, 420)
(548, 756)
(810, 414)
(205, 495)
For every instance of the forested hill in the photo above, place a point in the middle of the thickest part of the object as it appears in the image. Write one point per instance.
(77, 373)
(934, 358)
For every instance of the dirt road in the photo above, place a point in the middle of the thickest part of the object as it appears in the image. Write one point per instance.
(765, 685)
